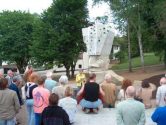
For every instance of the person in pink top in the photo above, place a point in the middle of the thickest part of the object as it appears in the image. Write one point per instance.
(41, 100)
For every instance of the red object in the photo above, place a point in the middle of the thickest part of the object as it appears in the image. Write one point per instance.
(81, 96)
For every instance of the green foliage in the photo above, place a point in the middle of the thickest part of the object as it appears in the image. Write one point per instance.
(60, 33)
(150, 59)
(158, 10)
(120, 56)
(15, 37)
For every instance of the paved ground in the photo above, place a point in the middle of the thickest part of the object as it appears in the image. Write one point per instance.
(104, 117)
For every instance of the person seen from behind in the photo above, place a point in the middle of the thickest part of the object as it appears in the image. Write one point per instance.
(130, 111)
(159, 115)
(69, 104)
(122, 93)
(49, 83)
(29, 87)
(161, 91)
(91, 91)
(54, 114)
(40, 98)
(60, 90)
(9, 104)
(109, 89)
(14, 86)
(145, 93)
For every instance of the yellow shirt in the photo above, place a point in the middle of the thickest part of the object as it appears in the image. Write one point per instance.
(80, 79)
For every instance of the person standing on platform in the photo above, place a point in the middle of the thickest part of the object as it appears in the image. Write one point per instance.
(80, 79)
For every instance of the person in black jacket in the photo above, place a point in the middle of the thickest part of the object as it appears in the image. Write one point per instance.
(53, 114)
(14, 86)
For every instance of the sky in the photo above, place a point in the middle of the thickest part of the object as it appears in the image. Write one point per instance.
(37, 6)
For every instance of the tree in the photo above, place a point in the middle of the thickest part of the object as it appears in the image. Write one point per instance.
(15, 37)
(128, 15)
(158, 23)
(63, 22)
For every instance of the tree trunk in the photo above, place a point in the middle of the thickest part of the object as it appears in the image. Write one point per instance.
(129, 46)
(73, 69)
(21, 69)
(21, 65)
(67, 70)
(139, 36)
(165, 58)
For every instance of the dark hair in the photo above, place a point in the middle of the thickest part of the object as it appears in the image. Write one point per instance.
(145, 84)
(92, 76)
(3, 83)
(126, 83)
(41, 80)
(53, 99)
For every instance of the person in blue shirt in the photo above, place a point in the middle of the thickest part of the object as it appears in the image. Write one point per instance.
(159, 115)
(49, 83)
(14, 86)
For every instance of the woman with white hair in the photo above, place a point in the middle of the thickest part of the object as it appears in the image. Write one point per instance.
(60, 90)
(109, 89)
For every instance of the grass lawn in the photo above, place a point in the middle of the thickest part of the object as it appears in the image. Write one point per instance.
(149, 58)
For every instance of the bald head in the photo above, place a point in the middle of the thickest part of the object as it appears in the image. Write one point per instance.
(162, 81)
(130, 91)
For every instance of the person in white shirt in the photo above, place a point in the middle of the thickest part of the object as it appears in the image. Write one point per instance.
(69, 104)
(161, 92)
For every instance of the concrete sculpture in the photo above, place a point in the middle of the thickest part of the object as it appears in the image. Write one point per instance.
(99, 40)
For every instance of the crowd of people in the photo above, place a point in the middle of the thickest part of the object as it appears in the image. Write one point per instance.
(49, 102)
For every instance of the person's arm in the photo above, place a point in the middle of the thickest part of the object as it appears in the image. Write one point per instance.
(119, 118)
(142, 118)
(155, 116)
(81, 91)
(18, 95)
(120, 94)
(101, 91)
(16, 103)
(158, 96)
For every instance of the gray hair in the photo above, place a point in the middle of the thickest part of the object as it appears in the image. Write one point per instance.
(63, 80)
(108, 77)
(16, 78)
